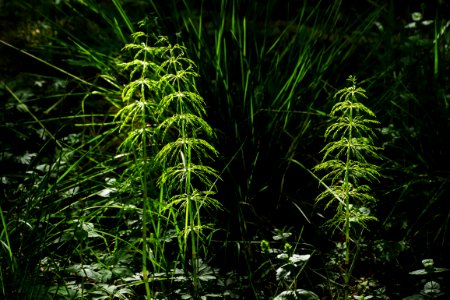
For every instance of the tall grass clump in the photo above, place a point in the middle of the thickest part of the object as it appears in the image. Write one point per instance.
(349, 171)
(166, 139)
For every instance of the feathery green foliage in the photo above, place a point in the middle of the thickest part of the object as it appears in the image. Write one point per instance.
(345, 158)
(347, 167)
(162, 118)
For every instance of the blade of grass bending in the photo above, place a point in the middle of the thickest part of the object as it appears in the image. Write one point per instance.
(123, 15)
(86, 154)
(301, 211)
(33, 116)
(318, 179)
(47, 63)
(436, 50)
(4, 232)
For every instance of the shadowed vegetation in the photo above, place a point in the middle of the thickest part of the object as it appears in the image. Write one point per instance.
(213, 149)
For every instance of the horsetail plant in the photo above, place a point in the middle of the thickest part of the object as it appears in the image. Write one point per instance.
(348, 170)
(165, 135)
(185, 182)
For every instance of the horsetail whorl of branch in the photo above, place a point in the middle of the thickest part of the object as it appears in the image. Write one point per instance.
(346, 158)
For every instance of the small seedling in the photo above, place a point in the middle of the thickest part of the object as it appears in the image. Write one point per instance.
(290, 266)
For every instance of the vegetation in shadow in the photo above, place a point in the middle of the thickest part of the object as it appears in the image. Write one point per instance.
(215, 149)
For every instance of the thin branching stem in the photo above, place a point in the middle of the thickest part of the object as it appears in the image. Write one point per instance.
(345, 163)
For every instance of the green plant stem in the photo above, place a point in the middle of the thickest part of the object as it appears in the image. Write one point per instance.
(145, 209)
(8, 244)
(347, 208)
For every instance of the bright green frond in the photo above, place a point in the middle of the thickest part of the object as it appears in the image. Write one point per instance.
(188, 101)
(199, 148)
(190, 122)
